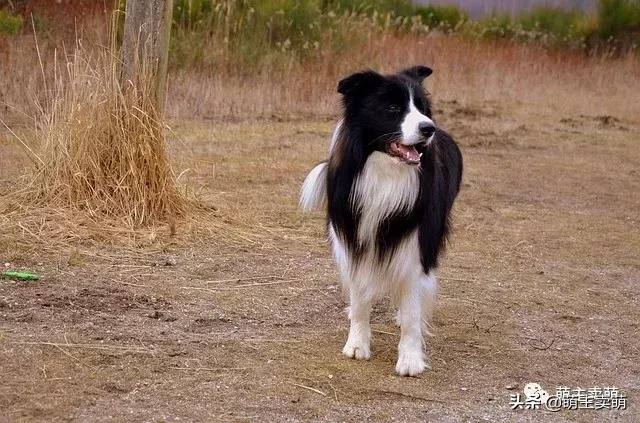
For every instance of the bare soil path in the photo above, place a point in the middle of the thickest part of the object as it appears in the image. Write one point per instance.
(541, 283)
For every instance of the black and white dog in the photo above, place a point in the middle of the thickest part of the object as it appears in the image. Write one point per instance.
(388, 186)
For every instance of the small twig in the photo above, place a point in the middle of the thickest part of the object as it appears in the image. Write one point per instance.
(133, 284)
(544, 346)
(480, 347)
(46, 379)
(232, 288)
(411, 396)
(317, 391)
(477, 327)
(89, 346)
(248, 345)
(211, 369)
(242, 279)
(456, 279)
(488, 330)
(463, 299)
(384, 332)
(134, 266)
(335, 394)
(286, 269)
(30, 153)
(475, 324)
(67, 353)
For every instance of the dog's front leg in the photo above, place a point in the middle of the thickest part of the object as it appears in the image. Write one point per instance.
(416, 300)
(358, 344)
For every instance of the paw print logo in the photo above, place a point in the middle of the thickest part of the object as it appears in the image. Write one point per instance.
(535, 395)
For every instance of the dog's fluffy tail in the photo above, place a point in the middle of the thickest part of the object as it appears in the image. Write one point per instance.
(313, 193)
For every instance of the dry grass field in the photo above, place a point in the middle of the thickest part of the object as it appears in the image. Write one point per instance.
(234, 312)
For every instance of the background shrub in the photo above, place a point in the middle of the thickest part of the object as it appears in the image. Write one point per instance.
(9, 24)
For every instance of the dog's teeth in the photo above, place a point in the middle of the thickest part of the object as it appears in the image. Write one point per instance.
(420, 155)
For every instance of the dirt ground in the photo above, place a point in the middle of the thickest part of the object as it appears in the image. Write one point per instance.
(541, 283)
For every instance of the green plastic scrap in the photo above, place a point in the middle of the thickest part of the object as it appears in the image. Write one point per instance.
(23, 276)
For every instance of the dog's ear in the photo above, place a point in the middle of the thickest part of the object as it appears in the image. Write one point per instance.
(364, 80)
(419, 73)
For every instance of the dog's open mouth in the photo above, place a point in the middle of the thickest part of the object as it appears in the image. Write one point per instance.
(406, 153)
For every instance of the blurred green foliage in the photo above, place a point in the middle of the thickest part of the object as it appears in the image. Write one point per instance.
(9, 24)
(249, 35)
(618, 18)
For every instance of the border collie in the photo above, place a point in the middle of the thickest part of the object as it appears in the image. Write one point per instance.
(388, 188)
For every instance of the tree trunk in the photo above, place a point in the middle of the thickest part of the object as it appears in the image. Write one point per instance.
(147, 28)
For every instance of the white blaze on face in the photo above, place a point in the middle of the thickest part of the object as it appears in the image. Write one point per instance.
(411, 124)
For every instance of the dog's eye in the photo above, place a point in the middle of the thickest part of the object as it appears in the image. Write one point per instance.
(393, 109)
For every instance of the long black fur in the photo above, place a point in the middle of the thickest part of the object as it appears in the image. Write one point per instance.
(365, 129)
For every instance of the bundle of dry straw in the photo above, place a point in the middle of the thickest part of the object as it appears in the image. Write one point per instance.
(102, 144)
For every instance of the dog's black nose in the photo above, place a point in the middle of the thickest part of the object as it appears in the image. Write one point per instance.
(426, 129)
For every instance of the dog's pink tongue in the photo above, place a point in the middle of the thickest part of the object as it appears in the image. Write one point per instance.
(409, 152)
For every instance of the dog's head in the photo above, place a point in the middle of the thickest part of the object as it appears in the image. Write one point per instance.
(391, 112)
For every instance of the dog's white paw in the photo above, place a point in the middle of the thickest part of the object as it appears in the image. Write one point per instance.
(411, 363)
(358, 350)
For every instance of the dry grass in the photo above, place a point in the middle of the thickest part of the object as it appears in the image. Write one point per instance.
(86, 120)
(97, 149)
(544, 250)
(469, 73)
(103, 146)
(539, 284)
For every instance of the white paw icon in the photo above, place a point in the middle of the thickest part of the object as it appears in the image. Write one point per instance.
(534, 392)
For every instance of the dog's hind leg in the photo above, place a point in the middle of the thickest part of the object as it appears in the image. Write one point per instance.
(428, 304)
(416, 301)
(429, 291)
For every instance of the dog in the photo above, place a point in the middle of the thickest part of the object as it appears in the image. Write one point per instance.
(388, 188)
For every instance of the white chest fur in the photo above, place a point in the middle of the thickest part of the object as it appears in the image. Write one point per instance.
(384, 187)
